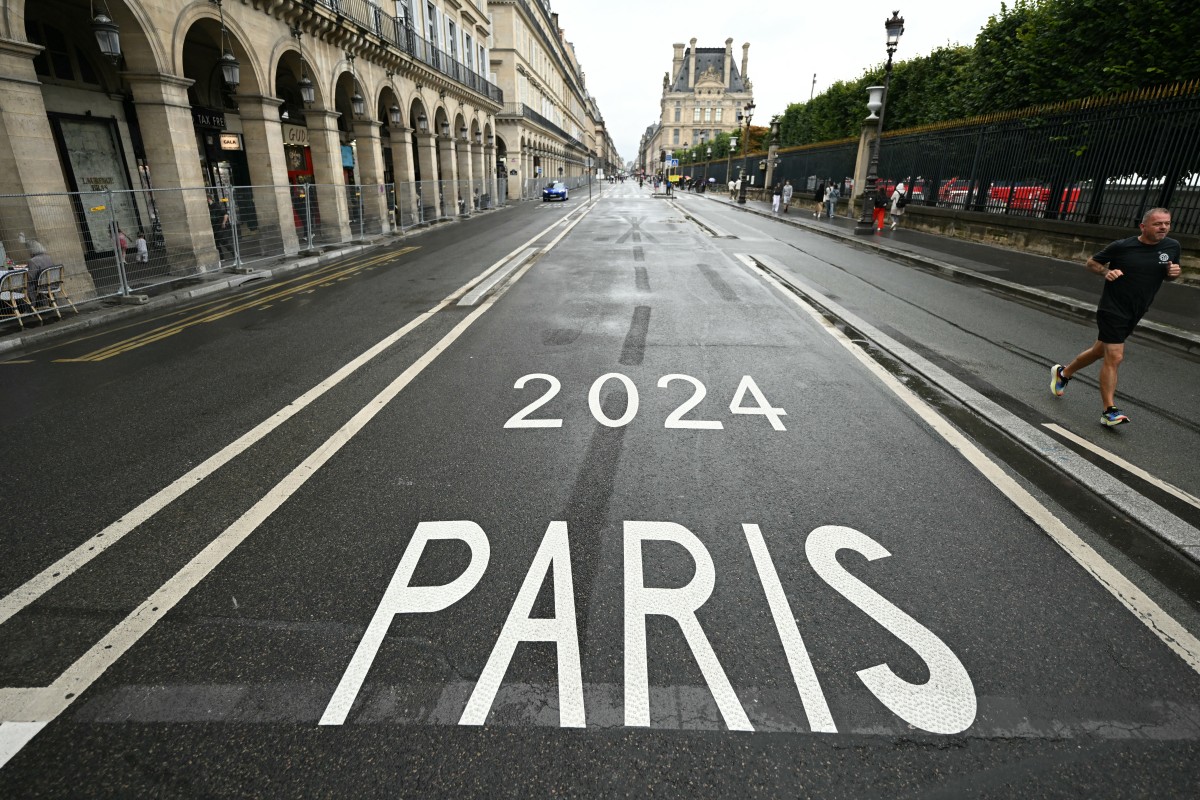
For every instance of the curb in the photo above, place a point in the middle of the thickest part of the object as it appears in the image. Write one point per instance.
(1162, 524)
(1166, 334)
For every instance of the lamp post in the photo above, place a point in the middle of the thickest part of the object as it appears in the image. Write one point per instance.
(707, 160)
(878, 100)
(773, 152)
(745, 146)
(729, 160)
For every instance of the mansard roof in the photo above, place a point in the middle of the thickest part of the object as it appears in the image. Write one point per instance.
(706, 58)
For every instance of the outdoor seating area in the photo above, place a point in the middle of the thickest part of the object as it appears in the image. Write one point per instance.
(25, 303)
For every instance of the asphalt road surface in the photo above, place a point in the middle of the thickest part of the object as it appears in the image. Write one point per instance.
(604, 498)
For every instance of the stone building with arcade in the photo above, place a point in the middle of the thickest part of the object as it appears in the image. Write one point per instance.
(142, 114)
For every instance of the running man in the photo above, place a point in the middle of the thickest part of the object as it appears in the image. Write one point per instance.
(1132, 269)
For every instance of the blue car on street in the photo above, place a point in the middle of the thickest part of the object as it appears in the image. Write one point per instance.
(555, 191)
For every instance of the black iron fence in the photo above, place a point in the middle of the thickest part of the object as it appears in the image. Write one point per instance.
(807, 167)
(1098, 161)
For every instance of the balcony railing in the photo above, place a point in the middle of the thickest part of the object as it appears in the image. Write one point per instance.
(522, 110)
(397, 33)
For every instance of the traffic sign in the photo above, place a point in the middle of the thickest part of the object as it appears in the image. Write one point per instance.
(674, 162)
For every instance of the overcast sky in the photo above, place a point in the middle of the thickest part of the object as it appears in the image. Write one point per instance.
(625, 46)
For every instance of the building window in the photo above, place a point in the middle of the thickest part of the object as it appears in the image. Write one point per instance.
(718, 115)
(431, 18)
(708, 115)
(452, 39)
(675, 137)
(678, 111)
(469, 51)
(695, 114)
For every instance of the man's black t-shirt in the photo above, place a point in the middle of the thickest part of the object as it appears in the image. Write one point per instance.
(1144, 267)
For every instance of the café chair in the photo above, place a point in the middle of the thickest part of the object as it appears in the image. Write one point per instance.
(14, 290)
(50, 286)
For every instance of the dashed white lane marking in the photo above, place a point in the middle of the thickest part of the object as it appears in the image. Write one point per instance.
(41, 705)
(1113, 458)
(1150, 613)
(60, 570)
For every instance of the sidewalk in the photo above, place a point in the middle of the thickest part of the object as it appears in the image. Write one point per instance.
(95, 313)
(1174, 317)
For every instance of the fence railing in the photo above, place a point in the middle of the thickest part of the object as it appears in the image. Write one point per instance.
(116, 243)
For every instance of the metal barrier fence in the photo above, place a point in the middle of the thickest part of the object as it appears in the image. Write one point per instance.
(115, 243)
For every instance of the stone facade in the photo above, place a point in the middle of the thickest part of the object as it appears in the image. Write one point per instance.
(163, 117)
(550, 125)
(701, 97)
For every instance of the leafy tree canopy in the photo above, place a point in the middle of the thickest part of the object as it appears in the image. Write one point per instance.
(1031, 52)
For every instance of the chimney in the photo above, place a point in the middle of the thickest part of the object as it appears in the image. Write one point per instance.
(745, 60)
(692, 67)
(728, 60)
(677, 62)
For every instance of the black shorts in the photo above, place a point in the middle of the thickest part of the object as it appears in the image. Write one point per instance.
(1114, 328)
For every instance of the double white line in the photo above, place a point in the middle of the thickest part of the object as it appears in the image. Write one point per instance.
(24, 712)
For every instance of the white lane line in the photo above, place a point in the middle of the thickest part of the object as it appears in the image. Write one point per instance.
(481, 289)
(42, 705)
(60, 570)
(1123, 464)
(14, 736)
(1153, 616)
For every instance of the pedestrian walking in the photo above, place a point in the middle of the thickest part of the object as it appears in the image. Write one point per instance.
(880, 205)
(143, 251)
(787, 195)
(899, 201)
(776, 197)
(832, 195)
(819, 198)
(1132, 269)
(218, 216)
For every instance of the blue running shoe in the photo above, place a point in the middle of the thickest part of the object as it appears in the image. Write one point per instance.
(1058, 381)
(1112, 417)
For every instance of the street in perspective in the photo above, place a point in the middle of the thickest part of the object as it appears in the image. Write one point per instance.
(408, 427)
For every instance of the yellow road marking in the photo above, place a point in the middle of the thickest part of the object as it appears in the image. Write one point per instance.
(230, 306)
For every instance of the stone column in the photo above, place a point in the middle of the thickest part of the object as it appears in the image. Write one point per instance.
(165, 118)
(402, 168)
(326, 145)
(262, 135)
(370, 177)
(862, 161)
(29, 164)
(430, 190)
(449, 176)
(478, 176)
(489, 170)
(465, 182)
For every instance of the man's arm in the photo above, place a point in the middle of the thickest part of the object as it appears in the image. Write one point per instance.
(1103, 270)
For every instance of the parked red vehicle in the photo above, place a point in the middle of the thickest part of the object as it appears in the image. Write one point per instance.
(1031, 198)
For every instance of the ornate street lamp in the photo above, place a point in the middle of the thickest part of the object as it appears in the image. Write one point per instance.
(308, 94)
(729, 158)
(745, 146)
(394, 116)
(445, 129)
(878, 102)
(357, 103)
(708, 159)
(107, 34)
(231, 70)
(423, 123)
